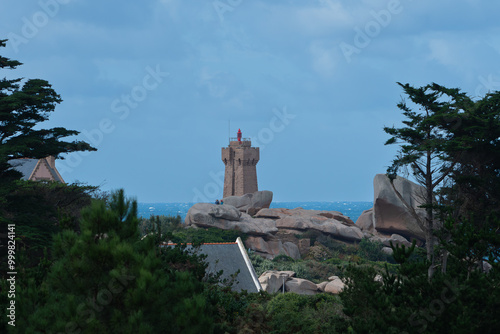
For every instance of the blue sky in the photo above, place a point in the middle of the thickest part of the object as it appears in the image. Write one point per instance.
(153, 85)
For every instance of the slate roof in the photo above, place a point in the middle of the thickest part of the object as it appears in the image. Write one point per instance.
(27, 166)
(54, 173)
(231, 257)
(24, 166)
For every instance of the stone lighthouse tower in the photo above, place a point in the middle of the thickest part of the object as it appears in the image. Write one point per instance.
(241, 161)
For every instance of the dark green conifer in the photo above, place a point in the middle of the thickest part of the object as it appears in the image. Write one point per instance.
(106, 280)
(23, 105)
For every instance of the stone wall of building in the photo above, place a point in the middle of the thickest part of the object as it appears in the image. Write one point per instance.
(241, 168)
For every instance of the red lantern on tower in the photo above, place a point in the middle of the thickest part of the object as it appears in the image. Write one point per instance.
(239, 134)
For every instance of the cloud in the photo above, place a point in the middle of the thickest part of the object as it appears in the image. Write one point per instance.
(215, 83)
(441, 51)
(325, 17)
(461, 52)
(123, 72)
(323, 58)
(264, 54)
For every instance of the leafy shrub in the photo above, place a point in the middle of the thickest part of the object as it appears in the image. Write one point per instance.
(336, 246)
(283, 258)
(148, 288)
(320, 271)
(236, 312)
(212, 234)
(313, 235)
(174, 230)
(372, 250)
(293, 313)
(261, 265)
(163, 224)
(319, 253)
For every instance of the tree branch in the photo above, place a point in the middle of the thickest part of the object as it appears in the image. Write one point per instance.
(445, 173)
(416, 166)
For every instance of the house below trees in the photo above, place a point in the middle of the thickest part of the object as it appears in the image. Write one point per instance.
(37, 169)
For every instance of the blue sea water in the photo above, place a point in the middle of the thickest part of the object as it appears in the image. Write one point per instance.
(351, 209)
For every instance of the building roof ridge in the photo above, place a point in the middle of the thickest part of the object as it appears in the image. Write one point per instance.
(53, 171)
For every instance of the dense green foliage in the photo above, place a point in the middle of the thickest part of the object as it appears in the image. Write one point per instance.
(325, 260)
(452, 145)
(292, 313)
(238, 312)
(463, 136)
(23, 105)
(104, 280)
(476, 182)
(40, 209)
(87, 264)
(459, 301)
(427, 148)
(175, 231)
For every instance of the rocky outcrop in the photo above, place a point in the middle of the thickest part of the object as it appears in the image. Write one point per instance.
(225, 217)
(291, 250)
(272, 213)
(387, 251)
(272, 281)
(321, 286)
(395, 239)
(298, 221)
(224, 212)
(272, 248)
(301, 286)
(365, 221)
(335, 286)
(273, 231)
(389, 214)
(205, 213)
(251, 203)
(331, 223)
(304, 245)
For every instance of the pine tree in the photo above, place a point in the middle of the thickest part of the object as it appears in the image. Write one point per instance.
(476, 186)
(106, 280)
(23, 105)
(462, 137)
(425, 148)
